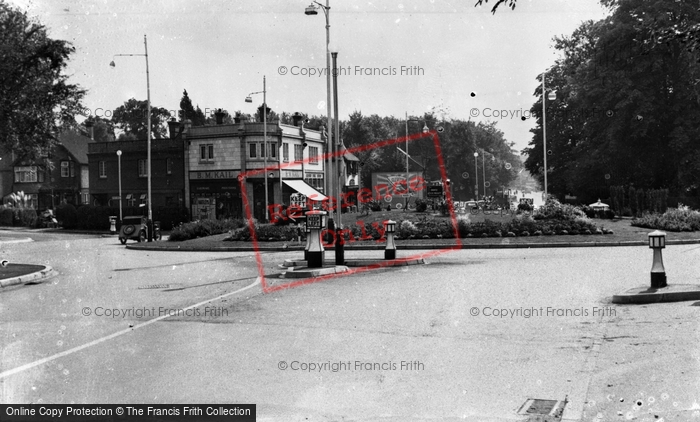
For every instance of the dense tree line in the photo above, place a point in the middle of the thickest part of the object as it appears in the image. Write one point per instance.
(627, 107)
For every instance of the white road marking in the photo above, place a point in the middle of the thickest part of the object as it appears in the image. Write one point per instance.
(113, 335)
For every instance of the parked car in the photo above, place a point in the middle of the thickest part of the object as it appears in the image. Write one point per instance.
(136, 228)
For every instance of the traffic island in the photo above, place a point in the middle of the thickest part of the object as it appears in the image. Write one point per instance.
(292, 264)
(670, 293)
(15, 274)
(659, 291)
(309, 272)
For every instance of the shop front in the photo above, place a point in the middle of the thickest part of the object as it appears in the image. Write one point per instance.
(215, 195)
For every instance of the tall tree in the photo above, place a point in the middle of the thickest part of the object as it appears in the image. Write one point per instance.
(187, 111)
(37, 99)
(632, 105)
(102, 129)
(132, 118)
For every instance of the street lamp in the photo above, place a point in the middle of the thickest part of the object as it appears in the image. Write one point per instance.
(425, 130)
(552, 96)
(476, 177)
(483, 165)
(249, 99)
(119, 159)
(148, 131)
(311, 10)
(340, 240)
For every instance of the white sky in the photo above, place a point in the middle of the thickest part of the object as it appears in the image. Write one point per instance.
(220, 50)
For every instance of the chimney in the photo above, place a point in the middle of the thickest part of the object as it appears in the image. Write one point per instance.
(219, 116)
(173, 127)
(237, 118)
(297, 118)
(90, 125)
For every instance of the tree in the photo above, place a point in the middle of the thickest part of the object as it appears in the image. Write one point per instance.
(187, 111)
(37, 99)
(102, 129)
(627, 108)
(132, 118)
(508, 3)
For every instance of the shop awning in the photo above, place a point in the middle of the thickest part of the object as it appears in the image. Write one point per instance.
(303, 188)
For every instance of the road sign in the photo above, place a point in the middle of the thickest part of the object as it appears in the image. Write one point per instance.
(435, 191)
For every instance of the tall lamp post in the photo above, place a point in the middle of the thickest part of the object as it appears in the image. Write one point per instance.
(551, 96)
(476, 177)
(248, 99)
(148, 131)
(311, 10)
(425, 130)
(119, 159)
(483, 165)
(338, 176)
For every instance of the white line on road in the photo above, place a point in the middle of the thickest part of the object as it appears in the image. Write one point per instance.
(113, 335)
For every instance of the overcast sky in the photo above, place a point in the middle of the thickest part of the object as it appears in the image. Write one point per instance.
(220, 50)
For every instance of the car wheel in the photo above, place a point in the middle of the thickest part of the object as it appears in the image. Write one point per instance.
(123, 240)
(142, 236)
(129, 229)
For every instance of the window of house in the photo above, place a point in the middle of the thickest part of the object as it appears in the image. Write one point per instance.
(273, 149)
(313, 155)
(315, 181)
(28, 174)
(102, 169)
(206, 153)
(169, 165)
(285, 152)
(253, 150)
(298, 153)
(143, 168)
(67, 168)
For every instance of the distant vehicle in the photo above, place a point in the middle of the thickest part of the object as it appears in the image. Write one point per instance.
(136, 228)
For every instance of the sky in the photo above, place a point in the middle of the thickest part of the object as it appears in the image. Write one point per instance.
(395, 57)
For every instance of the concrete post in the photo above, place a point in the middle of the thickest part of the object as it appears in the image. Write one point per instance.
(390, 251)
(315, 221)
(657, 241)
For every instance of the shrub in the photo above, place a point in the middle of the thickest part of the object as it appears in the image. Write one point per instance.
(421, 205)
(375, 205)
(6, 216)
(204, 228)
(554, 210)
(67, 216)
(28, 217)
(675, 220)
(524, 207)
(406, 228)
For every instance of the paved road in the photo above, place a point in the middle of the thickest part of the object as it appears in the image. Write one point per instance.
(557, 336)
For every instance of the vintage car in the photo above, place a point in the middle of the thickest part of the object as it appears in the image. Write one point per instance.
(136, 228)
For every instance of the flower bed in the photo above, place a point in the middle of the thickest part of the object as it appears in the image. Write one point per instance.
(675, 220)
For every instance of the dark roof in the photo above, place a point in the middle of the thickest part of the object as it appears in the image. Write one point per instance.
(76, 144)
